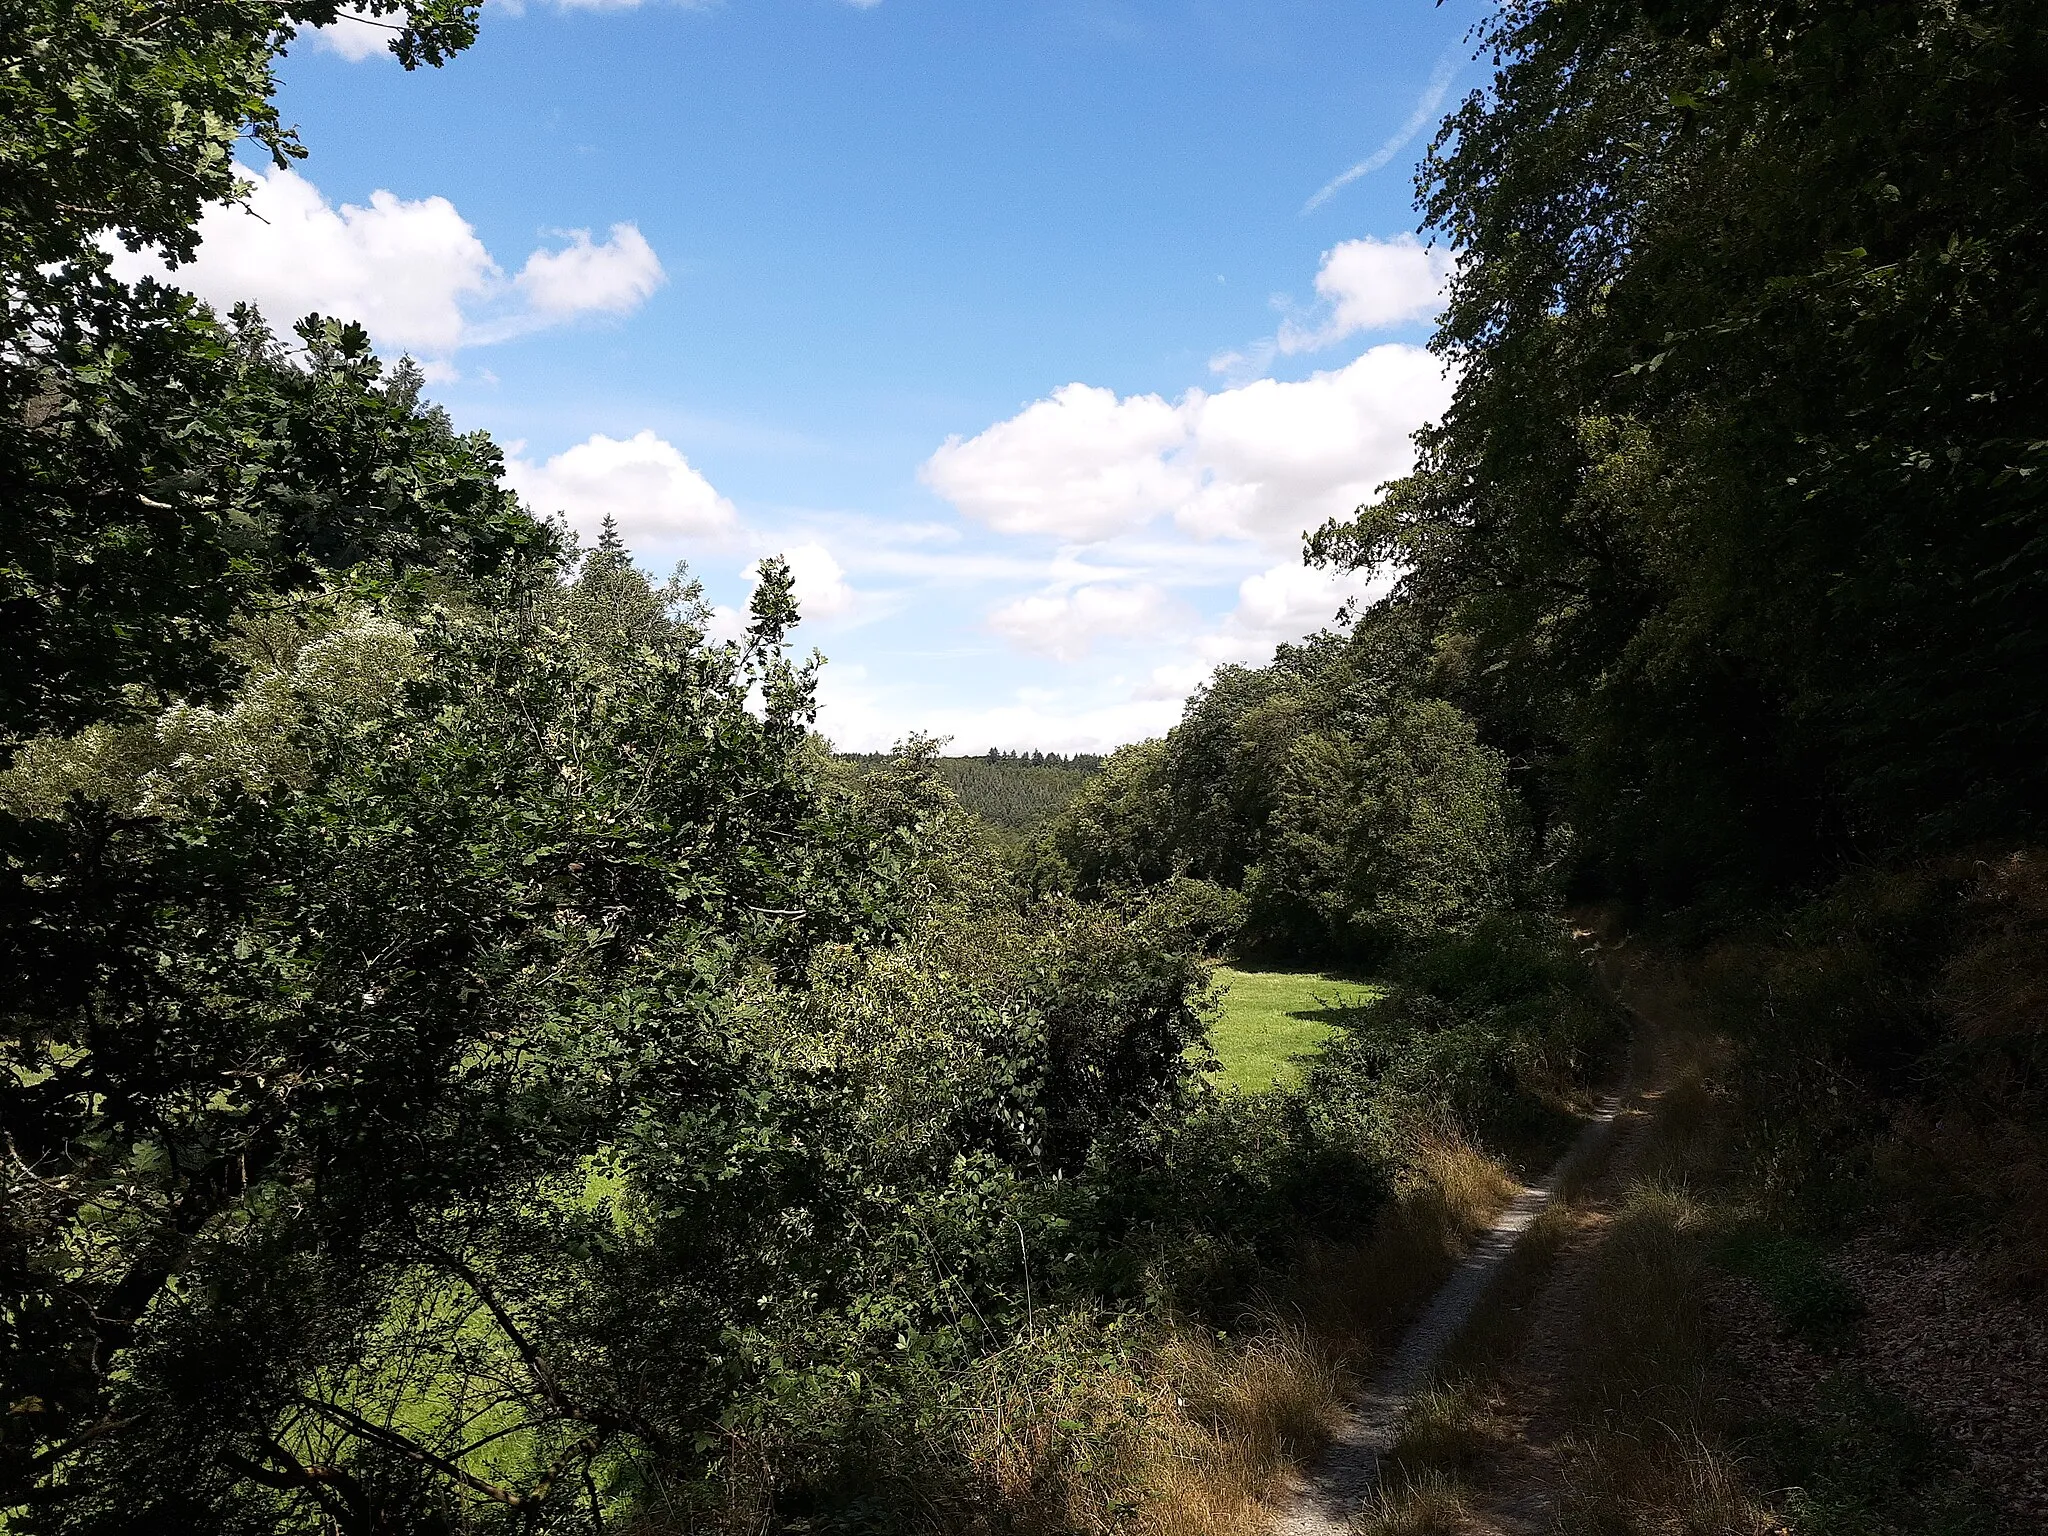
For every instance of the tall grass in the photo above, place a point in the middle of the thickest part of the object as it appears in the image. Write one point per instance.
(1195, 1431)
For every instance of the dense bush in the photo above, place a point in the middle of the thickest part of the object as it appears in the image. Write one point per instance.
(1893, 1053)
(530, 1084)
(1498, 1030)
(1387, 838)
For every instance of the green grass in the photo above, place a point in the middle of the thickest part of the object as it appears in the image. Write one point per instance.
(1273, 1019)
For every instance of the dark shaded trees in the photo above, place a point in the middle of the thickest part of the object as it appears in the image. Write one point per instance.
(1736, 521)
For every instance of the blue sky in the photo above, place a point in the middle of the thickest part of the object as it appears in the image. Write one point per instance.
(1012, 323)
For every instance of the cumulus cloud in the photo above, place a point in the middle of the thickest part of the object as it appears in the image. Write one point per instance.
(1288, 602)
(412, 271)
(822, 591)
(1083, 464)
(1263, 461)
(642, 481)
(1275, 607)
(1066, 625)
(821, 588)
(584, 277)
(402, 268)
(1370, 285)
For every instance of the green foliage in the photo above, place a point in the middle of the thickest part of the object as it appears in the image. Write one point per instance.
(1196, 915)
(1014, 794)
(1735, 529)
(1497, 1030)
(1118, 830)
(539, 1087)
(1866, 1464)
(1359, 815)
(1810, 1296)
(161, 472)
(1386, 839)
(271, 1057)
(122, 116)
(323, 652)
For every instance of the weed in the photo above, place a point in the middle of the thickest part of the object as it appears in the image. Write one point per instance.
(1657, 1480)
(1431, 1505)
(1645, 1346)
(1865, 1465)
(1447, 1428)
(1353, 1296)
(1813, 1301)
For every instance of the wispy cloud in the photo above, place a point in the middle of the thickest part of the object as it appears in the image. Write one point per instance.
(1433, 94)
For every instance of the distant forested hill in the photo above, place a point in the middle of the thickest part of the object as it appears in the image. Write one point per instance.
(1018, 792)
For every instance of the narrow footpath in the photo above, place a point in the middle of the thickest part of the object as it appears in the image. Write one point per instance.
(1346, 1482)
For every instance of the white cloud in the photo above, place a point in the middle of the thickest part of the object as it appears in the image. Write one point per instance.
(1370, 285)
(642, 481)
(821, 589)
(1289, 601)
(727, 626)
(1066, 625)
(583, 277)
(1082, 464)
(1263, 461)
(1275, 607)
(858, 716)
(402, 268)
(413, 272)
(357, 35)
(1276, 458)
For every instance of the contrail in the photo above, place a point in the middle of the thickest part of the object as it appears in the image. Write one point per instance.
(1432, 97)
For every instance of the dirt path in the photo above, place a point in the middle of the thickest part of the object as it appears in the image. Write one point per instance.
(1347, 1478)
(1513, 1489)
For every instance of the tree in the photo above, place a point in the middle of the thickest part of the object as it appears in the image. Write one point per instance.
(275, 1064)
(168, 474)
(121, 117)
(549, 1078)
(1735, 522)
(1393, 838)
(160, 471)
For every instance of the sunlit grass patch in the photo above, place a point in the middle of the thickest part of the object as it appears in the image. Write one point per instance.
(1271, 1020)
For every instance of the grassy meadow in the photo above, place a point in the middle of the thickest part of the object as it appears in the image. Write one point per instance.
(1272, 1020)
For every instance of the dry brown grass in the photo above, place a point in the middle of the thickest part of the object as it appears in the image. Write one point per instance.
(1240, 1417)
(1260, 1409)
(1431, 1505)
(1202, 1434)
(1193, 1433)
(1352, 1299)
(1644, 1456)
(1996, 986)
(1447, 1429)
(1655, 1480)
